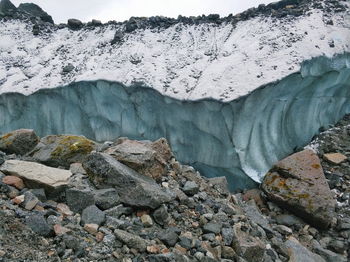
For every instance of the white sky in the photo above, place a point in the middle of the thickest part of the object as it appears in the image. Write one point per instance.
(121, 10)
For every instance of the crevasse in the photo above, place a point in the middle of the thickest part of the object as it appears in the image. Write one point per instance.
(240, 139)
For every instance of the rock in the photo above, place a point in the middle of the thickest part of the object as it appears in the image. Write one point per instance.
(168, 237)
(227, 236)
(7, 8)
(212, 228)
(133, 188)
(79, 199)
(20, 141)
(246, 246)
(298, 184)
(18, 200)
(284, 230)
(36, 11)
(67, 68)
(147, 158)
(169, 257)
(328, 255)
(39, 193)
(62, 150)
(64, 209)
(60, 230)
(220, 184)
(132, 241)
(297, 252)
(38, 224)
(118, 37)
(37, 175)
(95, 22)
(161, 215)
(30, 200)
(254, 194)
(77, 168)
(146, 220)
(106, 198)
(288, 220)
(93, 215)
(335, 158)
(253, 212)
(13, 181)
(91, 228)
(74, 24)
(190, 188)
(119, 211)
(228, 252)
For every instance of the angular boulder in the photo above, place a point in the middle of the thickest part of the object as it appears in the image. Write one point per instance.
(36, 11)
(20, 141)
(298, 252)
(145, 157)
(299, 184)
(6, 7)
(62, 150)
(35, 174)
(133, 188)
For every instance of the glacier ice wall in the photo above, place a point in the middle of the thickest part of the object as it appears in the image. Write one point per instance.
(240, 139)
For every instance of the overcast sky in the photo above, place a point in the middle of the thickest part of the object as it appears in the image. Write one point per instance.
(121, 10)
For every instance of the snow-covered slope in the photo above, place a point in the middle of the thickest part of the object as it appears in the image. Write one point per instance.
(191, 62)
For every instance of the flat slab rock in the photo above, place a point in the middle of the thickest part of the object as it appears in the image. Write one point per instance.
(298, 184)
(34, 173)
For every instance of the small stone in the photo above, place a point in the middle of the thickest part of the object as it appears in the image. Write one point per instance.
(14, 181)
(298, 252)
(168, 237)
(39, 193)
(131, 240)
(153, 249)
(228, 252)
(79, 199)
(64, 209)
(99, 236)
(91, 228)
(335, 158)
(180, 249)
(190, 188)
(30, 200)
(288, 220)
(38, 224)
(2, 253)
(93, 215)
(18, 200)
(212, 228)
(60, 230)
(284, 230)
(107, 198)
(227, 236)
(77, 168)
(161, 215)
(146, 220)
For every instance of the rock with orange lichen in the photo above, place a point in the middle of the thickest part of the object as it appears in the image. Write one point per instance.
(299, 184)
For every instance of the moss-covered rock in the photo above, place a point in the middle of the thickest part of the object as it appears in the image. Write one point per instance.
(63, 150)
(20, 141)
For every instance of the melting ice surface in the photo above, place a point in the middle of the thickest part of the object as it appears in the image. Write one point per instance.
(240, 139)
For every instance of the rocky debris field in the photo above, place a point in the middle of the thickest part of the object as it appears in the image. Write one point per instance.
(67, 198)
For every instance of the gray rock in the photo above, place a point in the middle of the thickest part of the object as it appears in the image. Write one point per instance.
(185, 242)
(133, 188)
(169, 257)
(36, 11)
(20, 141)
(7, 8)
(68, 68)
(79, 199)
(328, 255)
(190, 188)
(30, 200)
(95, 22)
(93, 215)
(254, 214)
(299, 184)
(118, 211)
(131, 240)
(212, 228)
(106, 198)
(220, 184)
(77, 168)
(38, 224)
(39, 193)
(116, 223)
(168, 237)
(161, 215)
(298, 252)
(288, 220)
(227, 236)
(74, 24)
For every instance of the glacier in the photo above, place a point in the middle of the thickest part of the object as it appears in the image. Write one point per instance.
(240, 139)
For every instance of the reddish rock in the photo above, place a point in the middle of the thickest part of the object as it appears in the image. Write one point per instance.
(60, 230)
(64, 209)
(256, 195)
(20, 141)
(298, 184)
(13, 181)
(18, 200)
(335, 158)
(91, 228)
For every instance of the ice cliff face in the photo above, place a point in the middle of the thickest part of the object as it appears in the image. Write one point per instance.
(236, 139)
(231, 97)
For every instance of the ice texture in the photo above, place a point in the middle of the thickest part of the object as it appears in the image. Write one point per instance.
(240, 139)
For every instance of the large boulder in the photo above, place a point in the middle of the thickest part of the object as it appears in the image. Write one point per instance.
(6, 8)
(298, 252)
(62, 150)
(36, 11)
(36, 175)
(133, 188)
(75, 24)
(145, 157)
(298, 184)
(20, 141)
